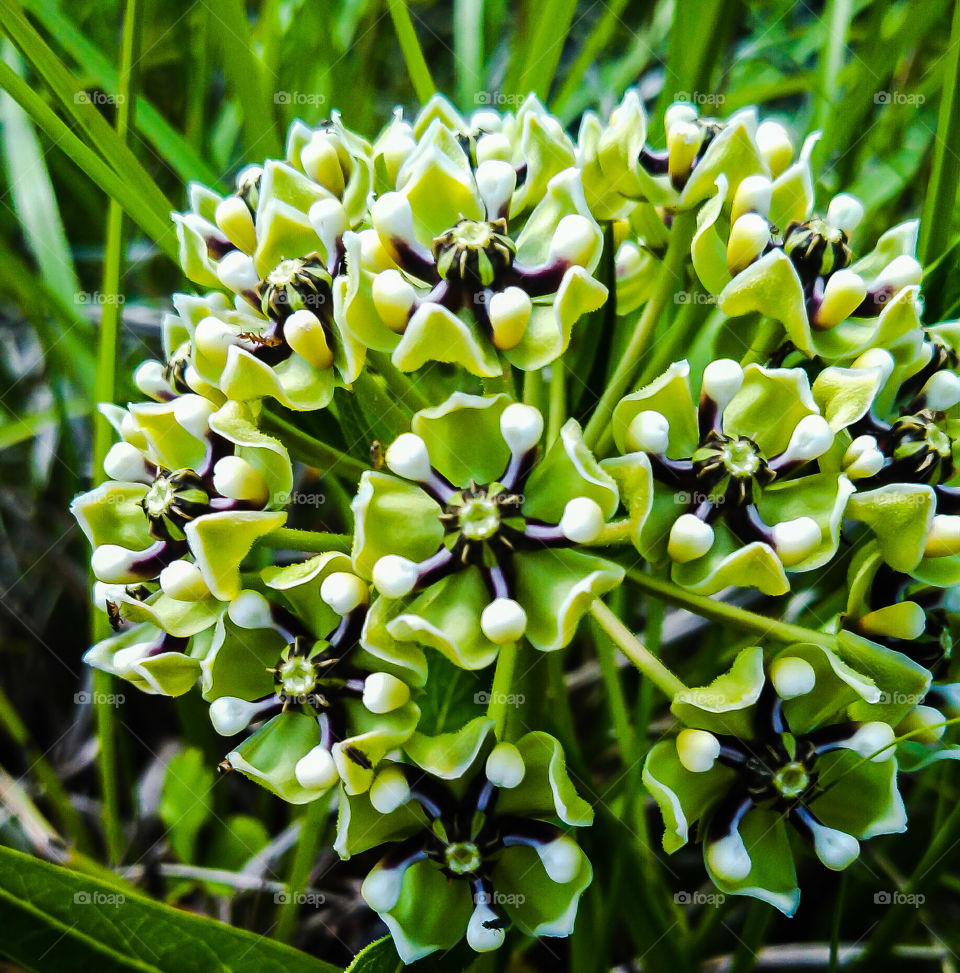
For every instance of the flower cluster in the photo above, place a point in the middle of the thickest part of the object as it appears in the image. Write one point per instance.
(458, 284)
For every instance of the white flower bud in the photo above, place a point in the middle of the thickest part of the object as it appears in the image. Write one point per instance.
(329, 220)
(392, 217)
(862, 458)
(775, 146)
(149, 378)
(503, 621)
(649, 431)
(344, 592)
(494, 145)
(389, 790)
(748, 239)
(126, 463)
(407, 456)
(843, 294)
(873, 740)
(395, 576)
(836, 849)
(942, 391)
(509, 312)
(316, 770)
(753, 195)
(796, 539)
(697, 750)
(237, 272)
(792, 676)
(690, 538)
(213, 339)
(925, 722)
(575, 241)
(902, 620)
(250, 610)
(878, 358)
(230, 714)
(845, 212)
(680, 112)
(683, 143)
(811, 438)
(561, 859)
(394, 298)
(381, 888)
(113, 564)
(193, 412)
(183, 581)
(237, 479)
(902, 271)
(582, 520)
(505, 767)
(942, 541)
(482, 935)
(321, 162)
(728, 858)
(383, 693)
(496, 181)
(306, 336)
(236, 222)
(521, 427)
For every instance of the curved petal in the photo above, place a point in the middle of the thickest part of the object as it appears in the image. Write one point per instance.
(371, 737)
(900, 516)
(450, 756)
(670, 395)
(436, 334)
(724, 705)
(860, 797)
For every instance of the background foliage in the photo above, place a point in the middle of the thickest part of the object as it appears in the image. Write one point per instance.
(131, 101)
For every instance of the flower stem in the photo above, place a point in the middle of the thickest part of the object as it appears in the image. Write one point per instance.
(768, 335)
(670, 280)
(312, 827)
(311, 451)
(500, 690)
(648, 664)
(315, 541)
(402, 387)
(558, 400)
(727, 614)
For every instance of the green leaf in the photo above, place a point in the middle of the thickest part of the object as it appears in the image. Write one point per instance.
(185, 801)
(55, 920)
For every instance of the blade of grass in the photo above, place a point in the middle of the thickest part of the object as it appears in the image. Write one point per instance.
(157, 227)
(105, 391)
(416, 63)
(169, 144)
(839, 13)
(468, 49)
(942, 189)
(312, 827)
(546, 45)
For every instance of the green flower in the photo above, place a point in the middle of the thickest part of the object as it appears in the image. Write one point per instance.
(761, 749)
(298, 661)
(479, 838)
(478, 534)
(190, 491)
(729, 495)
(448, 275)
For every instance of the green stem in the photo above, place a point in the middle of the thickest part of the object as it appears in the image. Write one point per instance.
(766, 338)
(670, 280)
(311, 451)
(412, 52)
(751, 939)
(398, 383)
(648, 664)
(315, 541)
(533, 389)
(308, 844)
(558, 400)
(726, 614)
(500, 690)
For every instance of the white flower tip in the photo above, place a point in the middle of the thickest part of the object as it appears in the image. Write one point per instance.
(496, 180)
(250, 610)
(237, 272)
(183, 581)
(942, 541)
(381, 888)
(483, 933)
(389, 790)
(126, 463)
(509, 312)
(728, 858)
(192, 413)
(878, 358)
(697, 750)
(521, 427)
(384, 693)
(127, 659)
(902, 271)
(650, 432)
(111, 563)
(862, 458)
(493, 145)
(394, 298)
(679, 111)
(842, 296)
(796, 539)
(237, 479)
(561, 859)
(213, 338)
(873, 740)
(395, 576)
(836, 849)
(321, 161)
(230, 714)
(503, 621)
(344, 592)
(505, 766)
(690, 538)
(722, 380)
(575, 241)
(236, 222)
(316, 770)
(305, 335)
(150, 380)
(845, 212)
(811, 438)
(753, 195)
(942, 391)
(392, 216)
(792, 676)
(407, 456)
(775, 146)
(927, 725)
(329, 219)
(582, 520)
(748, 238)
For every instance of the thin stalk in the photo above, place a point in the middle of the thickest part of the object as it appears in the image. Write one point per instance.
(838, 15)
(307, 449)
(314, 541)
(768, 335)
(533, 391)
(500, 690)
(726, 614)
(394, 413)
(412, 52)
(558, 400)
(648, 664)
(751, 939)
(398, 383)
(312, 827)
(670, 280)
(941, 193)
(105, 391)
(468, 49)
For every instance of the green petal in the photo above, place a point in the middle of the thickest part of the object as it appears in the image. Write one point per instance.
(723, 706)
(729, 562)
(298, 585)
(860, 797)
(900, 516)
(371, 737)
(634, 478)
(556, 588)
(194, 257)
(435, 334)
(111, 514)
(392, 516)
(172, 446)
(708, 250)
(360, 826)
(294, 383)
(670, 395)
(237, 662)
(284, 230)
(564, 198)
(165, 674)
(182, 619)
(732, 153)
(844, 395)
(381, 651)
(450, 756)
(463, 437)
